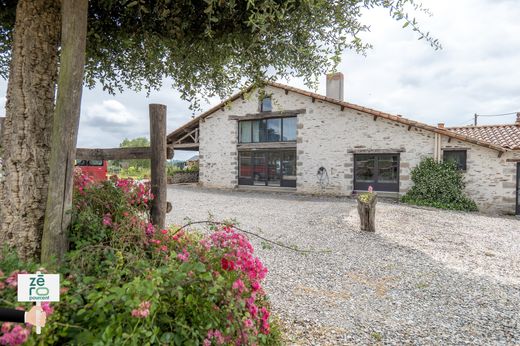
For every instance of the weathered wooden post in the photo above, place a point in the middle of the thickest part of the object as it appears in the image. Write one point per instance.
(367, 211)
(158, 163)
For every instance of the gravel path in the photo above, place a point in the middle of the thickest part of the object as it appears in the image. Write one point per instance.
(425, 277)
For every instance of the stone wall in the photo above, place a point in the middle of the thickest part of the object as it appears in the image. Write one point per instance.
(328, 137)
(183, 177)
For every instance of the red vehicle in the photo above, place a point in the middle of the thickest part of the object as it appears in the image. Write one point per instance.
(96, 169)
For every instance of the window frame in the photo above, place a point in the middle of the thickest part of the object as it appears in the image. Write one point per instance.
(267, 97)
(464, 167)
(265, 134)
(376, 185)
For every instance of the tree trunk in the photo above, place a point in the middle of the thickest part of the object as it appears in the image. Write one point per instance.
(367, 212)
(28, 124)
(65, 130)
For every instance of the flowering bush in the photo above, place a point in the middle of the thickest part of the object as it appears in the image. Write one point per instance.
(109, 214)
(15, 333)
(165, 287)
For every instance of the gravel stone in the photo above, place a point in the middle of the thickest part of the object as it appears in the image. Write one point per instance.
(424, 277)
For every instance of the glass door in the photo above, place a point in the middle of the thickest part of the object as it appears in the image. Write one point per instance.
(274, 169)
(379, 171)
(260, 168)
(289, 169)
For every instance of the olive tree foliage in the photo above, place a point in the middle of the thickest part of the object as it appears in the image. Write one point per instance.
(205, 48)
(211, 47)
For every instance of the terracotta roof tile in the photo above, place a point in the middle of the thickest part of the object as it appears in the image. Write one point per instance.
(507, 136)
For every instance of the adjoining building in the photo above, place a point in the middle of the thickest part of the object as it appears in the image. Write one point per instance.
(286, 138)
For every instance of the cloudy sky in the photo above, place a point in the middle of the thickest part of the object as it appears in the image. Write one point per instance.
(476, 72)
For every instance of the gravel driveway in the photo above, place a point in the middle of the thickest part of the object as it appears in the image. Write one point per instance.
(425, 277)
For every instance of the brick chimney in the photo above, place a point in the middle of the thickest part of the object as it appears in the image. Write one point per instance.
(440, 125)
(517, 119)
(335, 85)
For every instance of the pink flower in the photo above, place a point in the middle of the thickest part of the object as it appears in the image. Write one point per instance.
(206, 342)
(46, 306)
(239, 286)
(164, 248)
(164, 231)
(12, 280)
(143, 310)
(107, 220)
(255, 286)
(6, 326)
(17, 336)
(253, 310)
(217, 335)
(184, 256)
(150, 230)
(248, 323)
(227, 264)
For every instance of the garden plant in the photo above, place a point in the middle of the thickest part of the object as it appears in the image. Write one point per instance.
(439, 185)
(126, 283)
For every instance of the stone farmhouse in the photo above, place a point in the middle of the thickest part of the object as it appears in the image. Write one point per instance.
(284, 138)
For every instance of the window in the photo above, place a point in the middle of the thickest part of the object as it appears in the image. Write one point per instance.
(245, 131)
(457, 156)
(246, 167)
(84, 163)
(289, 129)
(381, 171)
(267, 130)
(267, 168)
(274, 130)
(266, 104)
(259, 131)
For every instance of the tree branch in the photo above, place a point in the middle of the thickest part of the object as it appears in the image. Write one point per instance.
(217, 223)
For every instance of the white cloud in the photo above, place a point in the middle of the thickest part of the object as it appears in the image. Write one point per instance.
(476, 72)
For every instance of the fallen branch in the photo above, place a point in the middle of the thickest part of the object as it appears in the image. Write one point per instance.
(217, 223)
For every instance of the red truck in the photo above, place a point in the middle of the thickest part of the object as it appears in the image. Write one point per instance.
(95, 169)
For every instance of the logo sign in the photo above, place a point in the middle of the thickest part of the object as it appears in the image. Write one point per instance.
(38, 287)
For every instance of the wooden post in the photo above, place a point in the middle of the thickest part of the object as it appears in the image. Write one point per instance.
(2, 119)
(158, 163)
(65, 130)
(367, 211)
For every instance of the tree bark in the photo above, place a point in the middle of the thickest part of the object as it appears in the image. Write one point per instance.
(367, 213)
(28, 125)
(65, 130)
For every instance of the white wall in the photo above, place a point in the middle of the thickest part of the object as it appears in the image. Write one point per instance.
(327, 136)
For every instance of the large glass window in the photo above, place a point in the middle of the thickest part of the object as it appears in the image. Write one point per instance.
(289, 128)
(246, 167)
(274, 130)
(267, 168)
(267, 130)
(245, 131)
(457, 156)
(259, 131)
(379, 171)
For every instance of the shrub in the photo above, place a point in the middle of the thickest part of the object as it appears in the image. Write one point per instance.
(440, 185)
(126, 283)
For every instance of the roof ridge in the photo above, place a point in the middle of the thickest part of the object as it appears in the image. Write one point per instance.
(481, 126)
(344, 104)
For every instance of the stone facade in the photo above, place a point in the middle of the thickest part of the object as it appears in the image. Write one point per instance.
(328, 137)
(183, 178)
